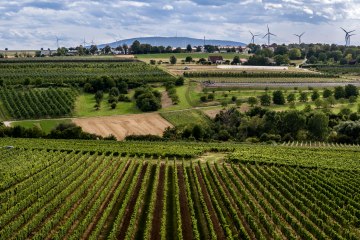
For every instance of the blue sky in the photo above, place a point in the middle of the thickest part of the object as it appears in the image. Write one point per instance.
(28, 24)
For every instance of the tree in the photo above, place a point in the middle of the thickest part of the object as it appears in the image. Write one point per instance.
(236, 60)
(352, 99)
(189, 48)
(331, 100)
(106, 50)
(198, 132)
(318, 126)
(339, 92)
(113, 105)
(293, 121)
(281, 50)
(315, 95)
(281, 59)
(312, 60)
(291, 98)
(135, 47)
(318, 103)
(322, 57)
(188, 59)
(252, 101)
(198, 49)
(114, 91)
(327, 93)
(265, 100)
(278, 97)
(351, 90)
(173, 59)
(295, 54)
(93, 49)
(303, 97)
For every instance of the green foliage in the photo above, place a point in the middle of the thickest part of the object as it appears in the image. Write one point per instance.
(77, 72)
(38, 103)
(252, 101)
(278, 97)
(265, 100)
(147, 99)
(173, 60)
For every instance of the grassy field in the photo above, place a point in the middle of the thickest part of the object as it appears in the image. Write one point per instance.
(44, 125)
(85, 103)
(186, 117)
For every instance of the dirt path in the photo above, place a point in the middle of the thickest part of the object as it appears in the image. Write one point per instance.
(165, 100)
(215, 221)
(122, 126)
(130, 208)
(184, 207)
(156, 224)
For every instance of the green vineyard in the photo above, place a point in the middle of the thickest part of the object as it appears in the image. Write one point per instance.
(68, 189)
(78, 72)
(38, 103)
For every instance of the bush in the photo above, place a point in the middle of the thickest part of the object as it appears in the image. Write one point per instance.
(113, 105)
(278, 97)
(179, 81)
(124, 98)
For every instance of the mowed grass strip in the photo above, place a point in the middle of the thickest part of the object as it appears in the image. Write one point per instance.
(179, 118)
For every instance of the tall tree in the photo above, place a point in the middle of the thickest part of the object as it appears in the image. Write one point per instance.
(318, 126)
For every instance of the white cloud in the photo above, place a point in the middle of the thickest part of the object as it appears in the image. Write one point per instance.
(35, 23)
(272, 6)
(168, 7)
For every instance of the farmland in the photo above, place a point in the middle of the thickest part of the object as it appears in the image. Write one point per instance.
(177, 190)
(76, 72)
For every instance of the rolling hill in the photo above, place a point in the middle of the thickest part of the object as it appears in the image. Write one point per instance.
(173, 42)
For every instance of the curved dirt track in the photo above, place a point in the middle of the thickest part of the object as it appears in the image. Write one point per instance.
(124, 125)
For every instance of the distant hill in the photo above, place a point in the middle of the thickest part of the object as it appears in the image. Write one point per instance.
(173, 42)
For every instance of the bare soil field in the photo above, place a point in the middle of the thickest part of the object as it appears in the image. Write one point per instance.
(125, 125)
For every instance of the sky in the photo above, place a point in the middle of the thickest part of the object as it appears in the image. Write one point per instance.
(28, 24)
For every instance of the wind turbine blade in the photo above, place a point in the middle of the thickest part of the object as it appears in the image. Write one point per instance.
(272, 34)
(265, 35)
(302, 34)
(344, 30)
(351, 31)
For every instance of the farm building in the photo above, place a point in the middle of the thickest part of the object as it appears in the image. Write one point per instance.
(216, 59)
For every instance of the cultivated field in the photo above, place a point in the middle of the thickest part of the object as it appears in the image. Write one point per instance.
(122, 126)
(54, 189)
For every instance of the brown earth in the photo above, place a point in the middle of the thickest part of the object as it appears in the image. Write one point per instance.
(184, 207)
(122, 126)
(165, 100)
(156, 224)
(211, 113)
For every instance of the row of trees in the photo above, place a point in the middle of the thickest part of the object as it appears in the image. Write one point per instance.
(350, 92)
(261, 124)
(62, 131)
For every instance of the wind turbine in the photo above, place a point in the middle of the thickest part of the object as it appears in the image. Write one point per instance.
(299, 36)
(268, 34)
(57, 42)
(84, 42)
(347, 36)
(253, 37)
